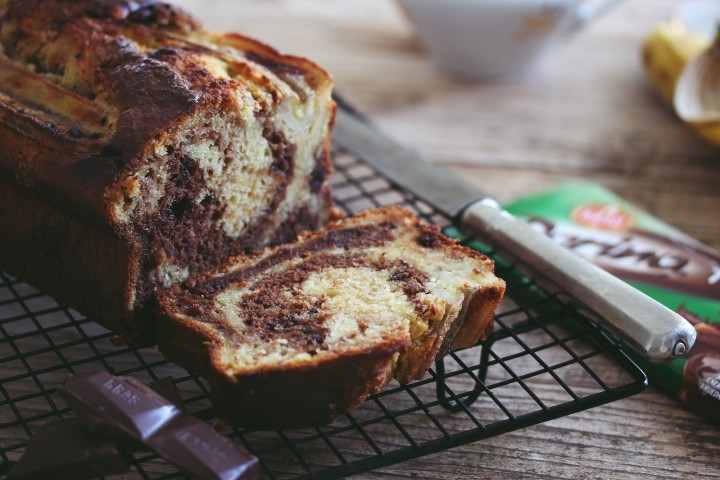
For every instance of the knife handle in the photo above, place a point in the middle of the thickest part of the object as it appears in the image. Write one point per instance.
(653, 330)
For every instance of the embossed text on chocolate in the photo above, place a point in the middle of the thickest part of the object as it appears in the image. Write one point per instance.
(123, 392)
(193, 439)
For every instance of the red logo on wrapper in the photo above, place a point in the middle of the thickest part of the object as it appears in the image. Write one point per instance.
(605, 217)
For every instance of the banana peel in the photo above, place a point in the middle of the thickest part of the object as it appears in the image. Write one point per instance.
(697, 95)
(666, 51)
(681, 67)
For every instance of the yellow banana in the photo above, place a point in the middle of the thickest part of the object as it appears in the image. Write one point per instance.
(665, 52)
(697, 95)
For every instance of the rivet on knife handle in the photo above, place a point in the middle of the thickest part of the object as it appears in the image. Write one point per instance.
(650, 328)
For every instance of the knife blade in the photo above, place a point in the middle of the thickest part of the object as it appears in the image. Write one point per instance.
(651, 329)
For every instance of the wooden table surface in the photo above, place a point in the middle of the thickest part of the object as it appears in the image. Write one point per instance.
(585, 112)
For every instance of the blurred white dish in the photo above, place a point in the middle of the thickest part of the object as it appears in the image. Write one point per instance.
(485, 38)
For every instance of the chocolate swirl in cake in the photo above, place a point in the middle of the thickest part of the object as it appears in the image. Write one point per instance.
(334, 315)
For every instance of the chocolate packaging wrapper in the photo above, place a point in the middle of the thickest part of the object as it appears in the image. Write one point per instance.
(656, 258)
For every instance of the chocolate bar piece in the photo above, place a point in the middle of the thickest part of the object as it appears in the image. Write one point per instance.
(198, 450)
(65, 449)
(117, 404)
(132, 410)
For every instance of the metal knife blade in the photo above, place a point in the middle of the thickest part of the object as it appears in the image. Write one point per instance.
(435, 185)
(650, 328)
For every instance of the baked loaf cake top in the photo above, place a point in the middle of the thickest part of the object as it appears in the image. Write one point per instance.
(301, 333)
(110, 87)
(167, 147)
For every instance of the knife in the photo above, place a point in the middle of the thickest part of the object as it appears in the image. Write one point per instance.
(651, 329)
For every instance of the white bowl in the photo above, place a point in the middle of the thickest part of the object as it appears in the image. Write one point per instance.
(486, 38)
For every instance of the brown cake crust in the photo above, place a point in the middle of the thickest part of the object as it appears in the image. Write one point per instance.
(204, 322)
(92, 94)
(311, 394)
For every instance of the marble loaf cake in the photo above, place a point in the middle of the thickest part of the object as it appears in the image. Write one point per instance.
(137, 149)
(299, 334)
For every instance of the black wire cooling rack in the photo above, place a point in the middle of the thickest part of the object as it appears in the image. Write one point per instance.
(545, 360)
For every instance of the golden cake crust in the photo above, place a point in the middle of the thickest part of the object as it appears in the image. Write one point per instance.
(130, 96)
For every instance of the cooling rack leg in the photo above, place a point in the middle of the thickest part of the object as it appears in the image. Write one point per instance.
(451, 402)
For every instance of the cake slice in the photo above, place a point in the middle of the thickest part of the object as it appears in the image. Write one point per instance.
(299, 334)
(139, 148)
